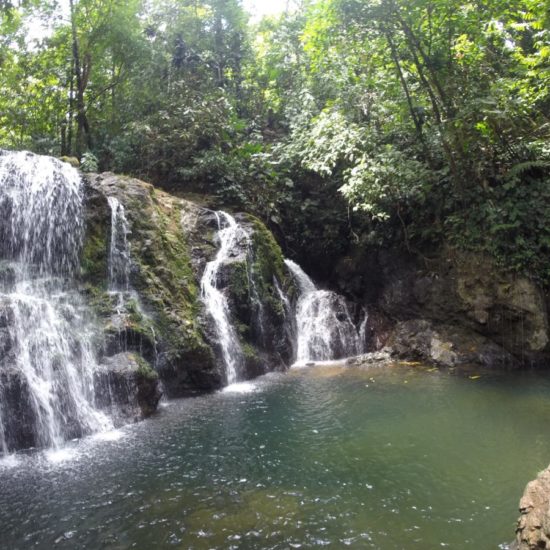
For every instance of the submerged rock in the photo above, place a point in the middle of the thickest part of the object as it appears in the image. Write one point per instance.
(533, 529)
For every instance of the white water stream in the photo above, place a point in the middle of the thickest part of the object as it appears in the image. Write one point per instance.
(49, 364)
(120, 265)
(119, 251)
(230, 235)
(324, 327)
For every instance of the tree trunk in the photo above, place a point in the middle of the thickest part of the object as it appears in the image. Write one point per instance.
(81, 72)
(415, 42)
(71, 112)
(218, 44)
(395, 57)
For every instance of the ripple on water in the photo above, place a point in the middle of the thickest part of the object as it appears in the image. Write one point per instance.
(111, 435)
(58, 456)
(355, 459)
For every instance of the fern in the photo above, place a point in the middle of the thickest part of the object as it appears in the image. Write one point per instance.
(522, 167)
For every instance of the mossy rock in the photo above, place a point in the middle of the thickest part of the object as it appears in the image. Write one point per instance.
(95, 250)
(73, 161)
(126, 383)
(145, 370)
(162, 274)
(255, 302)
(171, 240)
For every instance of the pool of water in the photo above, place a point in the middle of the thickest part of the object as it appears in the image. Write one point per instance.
(387, 458)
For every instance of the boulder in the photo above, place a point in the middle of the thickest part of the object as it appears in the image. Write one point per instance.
(533, 528)
(446, 345)
(127, 385)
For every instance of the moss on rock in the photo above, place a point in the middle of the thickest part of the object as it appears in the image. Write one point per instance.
(73, 161)
(171, 240)
(145, 370)
(94, 257)
(167, 316)
(268, 266)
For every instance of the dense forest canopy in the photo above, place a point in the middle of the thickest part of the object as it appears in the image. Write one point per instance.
(342, 123)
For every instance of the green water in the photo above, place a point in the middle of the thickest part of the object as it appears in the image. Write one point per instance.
(387, 458)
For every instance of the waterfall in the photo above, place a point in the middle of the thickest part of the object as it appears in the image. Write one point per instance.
(4, 450)
(47, 361)
(230, 235)
(290, 318)
(324, 327)
(119, 255)
(119, 251)
(119, 267)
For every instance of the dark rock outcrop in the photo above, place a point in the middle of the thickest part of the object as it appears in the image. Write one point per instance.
(251, 280)
(19, 424)
(446, 345)
(127, 385)
(468, 290)
(465, 292)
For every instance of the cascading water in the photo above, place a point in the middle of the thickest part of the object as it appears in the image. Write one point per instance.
(119, 255)
(324, 327)
(46, 358)
(290, 318)
(119, 251)
(120, 264)
(230, 235)
(3, 443)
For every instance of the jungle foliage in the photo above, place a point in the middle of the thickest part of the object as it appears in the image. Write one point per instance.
(406, 123)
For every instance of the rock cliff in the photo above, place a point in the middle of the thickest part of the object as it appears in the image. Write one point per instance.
(456, 308)
(164, 320)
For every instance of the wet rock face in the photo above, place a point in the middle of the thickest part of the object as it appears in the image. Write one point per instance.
(447, 345)
(16, 409)
(250, 280)
(6, 344)
(19, 413)
(469, 292)
(20, 422)
(511, 310)
(378, 330)
(159, 320)
(533, 529)
(126, 385)
(171, 240)
(7, 276)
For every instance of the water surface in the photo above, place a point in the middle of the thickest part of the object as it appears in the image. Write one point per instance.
(387, 458)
